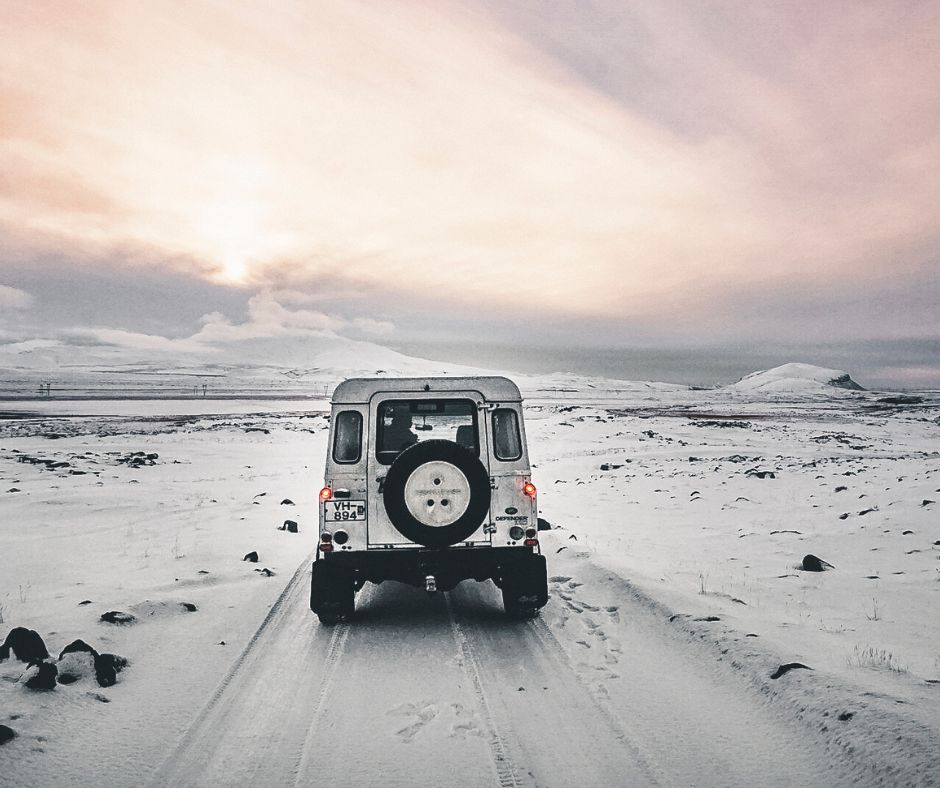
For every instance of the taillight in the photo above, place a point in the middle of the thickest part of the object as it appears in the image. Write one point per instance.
(326, 542)
(529, 489)
(531, 539)
(326, 493)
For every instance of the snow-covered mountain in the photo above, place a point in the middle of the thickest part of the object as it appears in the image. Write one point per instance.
(796, 378)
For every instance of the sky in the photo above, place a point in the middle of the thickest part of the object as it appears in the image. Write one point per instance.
(743, 179)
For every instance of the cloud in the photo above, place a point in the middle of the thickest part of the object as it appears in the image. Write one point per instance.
(135, 340)
(13, 298)
(267, 318)
(623, 163)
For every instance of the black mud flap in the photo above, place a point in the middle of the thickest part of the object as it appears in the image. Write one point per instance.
(332, 590)
(525, 583)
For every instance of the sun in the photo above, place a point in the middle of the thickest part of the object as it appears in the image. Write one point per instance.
(234, 270)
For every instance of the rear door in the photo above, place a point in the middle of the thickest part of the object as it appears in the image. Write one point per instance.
(455, 417)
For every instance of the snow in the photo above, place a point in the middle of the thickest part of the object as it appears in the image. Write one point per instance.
(661, 523)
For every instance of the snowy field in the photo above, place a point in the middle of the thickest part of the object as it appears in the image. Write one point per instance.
(680, 521)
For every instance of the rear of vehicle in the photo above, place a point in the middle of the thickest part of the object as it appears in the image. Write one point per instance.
(428, 483)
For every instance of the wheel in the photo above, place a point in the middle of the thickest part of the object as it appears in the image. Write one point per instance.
(525, 586)
(332, 592)
(436, 493)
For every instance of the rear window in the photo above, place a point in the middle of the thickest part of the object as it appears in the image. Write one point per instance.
(347, 437)
(402, 423)
(507, 442)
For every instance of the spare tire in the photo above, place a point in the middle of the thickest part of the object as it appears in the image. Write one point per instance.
(436, 493)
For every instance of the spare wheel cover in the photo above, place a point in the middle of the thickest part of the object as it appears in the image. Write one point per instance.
(436, 493)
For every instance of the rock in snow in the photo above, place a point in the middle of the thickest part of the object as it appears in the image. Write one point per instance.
(40, 676)
(812, 563)
(6, 734)
(75, 666)
(784, 669)
(118, 617)
(25, 644)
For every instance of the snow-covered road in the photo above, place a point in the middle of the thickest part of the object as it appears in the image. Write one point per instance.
(442, 690)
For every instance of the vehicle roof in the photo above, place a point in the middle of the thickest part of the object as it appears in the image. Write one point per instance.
(360, 390)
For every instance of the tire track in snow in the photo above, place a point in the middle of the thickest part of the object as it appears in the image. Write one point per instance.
(502, 764)
(334, 656)
(181, 753)
(614, 721)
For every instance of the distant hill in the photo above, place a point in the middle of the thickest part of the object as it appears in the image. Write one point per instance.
(796, 379)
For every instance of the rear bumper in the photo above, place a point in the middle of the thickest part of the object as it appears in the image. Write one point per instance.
(448, 566)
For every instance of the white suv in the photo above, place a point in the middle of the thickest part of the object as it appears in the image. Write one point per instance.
(427, 482)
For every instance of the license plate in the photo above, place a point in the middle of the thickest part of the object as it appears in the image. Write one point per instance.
(344, 511)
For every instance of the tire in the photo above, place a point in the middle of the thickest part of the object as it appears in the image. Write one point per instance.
(436, 493)
(525, 587)
(332, 592)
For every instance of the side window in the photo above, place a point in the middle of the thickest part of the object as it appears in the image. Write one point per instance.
(507, 443)
(347, 437)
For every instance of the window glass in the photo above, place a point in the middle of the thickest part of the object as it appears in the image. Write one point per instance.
(402, 423)
(507, 443)
(347, 437)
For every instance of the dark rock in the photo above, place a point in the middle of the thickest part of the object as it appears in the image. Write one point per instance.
(251, 557)
(707, 618)
(76, 665)
(189, 606)
(77, 645)
(43, 676)
(844, 516)
(118, 617)
(845, 716)
(926, 502)
(265, 572)
(784, 669)
(14, 490)
(841, 488)
(906, 533)
(6, 734)
(759, 474)
(812, 563)
(25, 644)
(287, 502)
(107, 666)
(867, 511)
(291, 526)
(84, 602)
